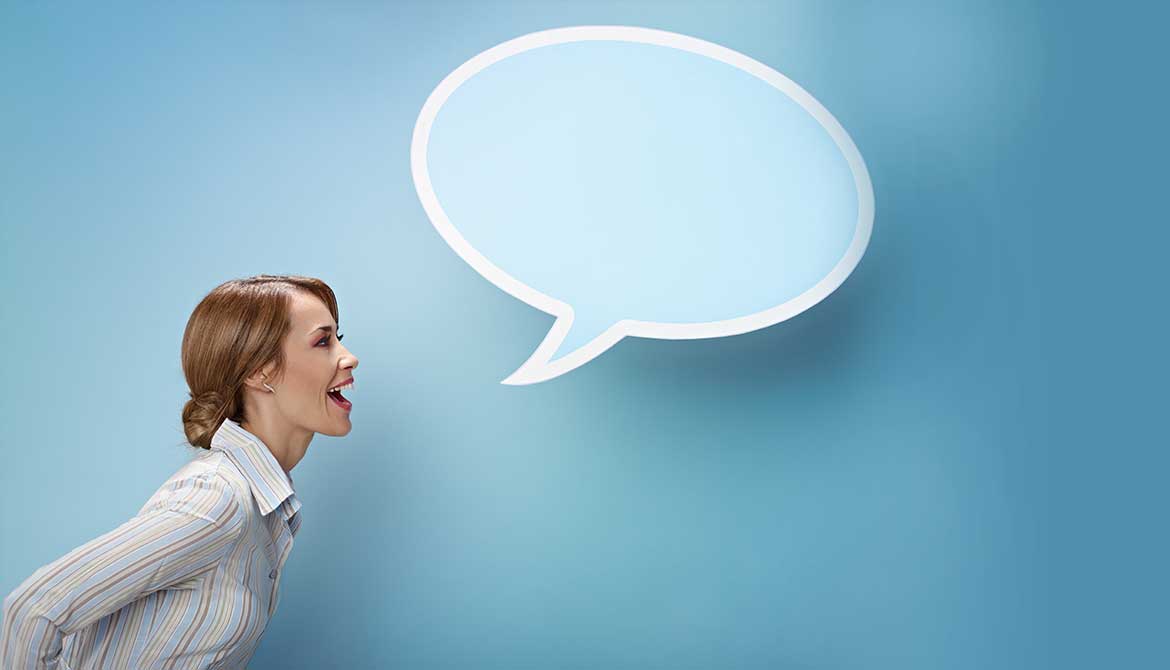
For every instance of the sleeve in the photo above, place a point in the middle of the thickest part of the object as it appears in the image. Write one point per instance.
(187, 531)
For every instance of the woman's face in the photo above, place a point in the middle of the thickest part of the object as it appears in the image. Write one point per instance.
(315, 361)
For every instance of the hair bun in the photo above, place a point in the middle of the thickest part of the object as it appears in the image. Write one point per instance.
(202, 416)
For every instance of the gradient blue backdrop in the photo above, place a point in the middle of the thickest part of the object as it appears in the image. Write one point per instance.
(954, 461)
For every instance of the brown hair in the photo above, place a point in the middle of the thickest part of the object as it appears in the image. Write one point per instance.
(236, 329)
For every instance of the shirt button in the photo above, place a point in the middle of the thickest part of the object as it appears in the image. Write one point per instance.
(272, 575)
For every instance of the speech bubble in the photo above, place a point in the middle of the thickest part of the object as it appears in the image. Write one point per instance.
(651, 184)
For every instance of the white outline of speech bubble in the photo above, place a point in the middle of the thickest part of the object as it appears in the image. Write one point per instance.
(538, 368)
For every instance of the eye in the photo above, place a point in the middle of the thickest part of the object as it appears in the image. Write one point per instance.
(325, 339)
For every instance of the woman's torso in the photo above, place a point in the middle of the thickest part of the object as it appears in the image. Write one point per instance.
(211, 620)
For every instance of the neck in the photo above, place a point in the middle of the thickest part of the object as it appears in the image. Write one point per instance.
(288, 444)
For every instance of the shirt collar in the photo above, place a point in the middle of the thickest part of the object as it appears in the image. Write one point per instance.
(271, 485)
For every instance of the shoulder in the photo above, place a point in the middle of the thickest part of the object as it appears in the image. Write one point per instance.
(207, 487)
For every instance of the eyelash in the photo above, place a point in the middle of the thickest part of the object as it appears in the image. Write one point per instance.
(326, 338)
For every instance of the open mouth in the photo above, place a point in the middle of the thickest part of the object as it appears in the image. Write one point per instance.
(339, 400)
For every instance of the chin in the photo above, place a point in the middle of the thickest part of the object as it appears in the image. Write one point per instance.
(335, 432)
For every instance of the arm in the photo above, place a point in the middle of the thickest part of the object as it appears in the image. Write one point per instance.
(189, 531)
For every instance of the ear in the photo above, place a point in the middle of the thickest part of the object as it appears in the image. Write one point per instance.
(257, 379)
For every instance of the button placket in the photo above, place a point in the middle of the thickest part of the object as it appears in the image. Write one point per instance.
(282, 545)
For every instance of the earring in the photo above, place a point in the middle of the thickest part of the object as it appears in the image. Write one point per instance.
(269, 387)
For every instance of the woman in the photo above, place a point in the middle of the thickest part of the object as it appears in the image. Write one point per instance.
(192, 580)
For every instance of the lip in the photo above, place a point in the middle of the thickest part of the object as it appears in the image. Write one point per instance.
(341, 383)
(345, 407)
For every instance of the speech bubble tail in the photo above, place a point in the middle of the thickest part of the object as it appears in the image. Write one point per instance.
(578, 345)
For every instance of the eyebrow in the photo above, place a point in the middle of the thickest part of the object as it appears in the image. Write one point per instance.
(325, 328)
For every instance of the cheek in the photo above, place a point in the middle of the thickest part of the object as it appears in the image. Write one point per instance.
(307, 381)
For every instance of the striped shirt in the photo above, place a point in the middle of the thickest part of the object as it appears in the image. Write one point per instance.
(190, 582)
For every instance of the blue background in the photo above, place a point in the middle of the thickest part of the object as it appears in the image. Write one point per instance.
(956, 460)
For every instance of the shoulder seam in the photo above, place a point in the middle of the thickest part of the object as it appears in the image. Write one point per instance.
(207, 476)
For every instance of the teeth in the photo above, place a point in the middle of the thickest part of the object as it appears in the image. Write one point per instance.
(342, 387)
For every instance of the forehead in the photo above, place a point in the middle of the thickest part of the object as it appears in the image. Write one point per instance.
(306, 312)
